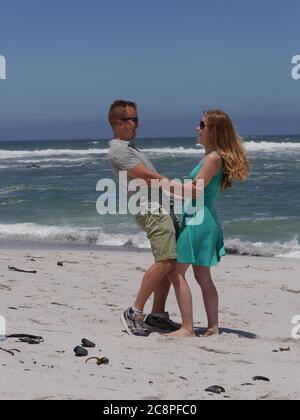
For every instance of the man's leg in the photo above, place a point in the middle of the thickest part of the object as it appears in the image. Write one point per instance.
(162, 236)
(155, 277)
(133, 318)
(161, 294)
(159, 320)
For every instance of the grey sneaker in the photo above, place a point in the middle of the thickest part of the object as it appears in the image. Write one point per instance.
(134, 325)
(161, 323)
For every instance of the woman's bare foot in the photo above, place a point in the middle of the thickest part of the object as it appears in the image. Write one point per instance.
(182, 333)
(212, 331)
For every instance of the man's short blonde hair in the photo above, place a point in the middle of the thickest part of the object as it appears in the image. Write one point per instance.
(118, 110)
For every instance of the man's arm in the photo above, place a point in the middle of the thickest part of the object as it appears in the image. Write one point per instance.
(141, 172)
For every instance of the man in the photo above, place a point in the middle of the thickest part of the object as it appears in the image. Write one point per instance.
(161, 228)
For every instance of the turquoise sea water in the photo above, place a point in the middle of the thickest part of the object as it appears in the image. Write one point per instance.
(48, 193)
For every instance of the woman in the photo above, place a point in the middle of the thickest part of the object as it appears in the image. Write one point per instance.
(202, 245)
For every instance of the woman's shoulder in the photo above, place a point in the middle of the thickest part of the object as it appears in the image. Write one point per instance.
(214, 159)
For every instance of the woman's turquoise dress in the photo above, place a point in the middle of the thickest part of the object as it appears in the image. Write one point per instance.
(203, 244)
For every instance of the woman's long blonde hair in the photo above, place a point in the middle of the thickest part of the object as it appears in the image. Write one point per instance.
(222, 134)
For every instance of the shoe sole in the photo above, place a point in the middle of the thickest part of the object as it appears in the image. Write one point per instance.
(125, 325)
(160, 330)
(155, 328)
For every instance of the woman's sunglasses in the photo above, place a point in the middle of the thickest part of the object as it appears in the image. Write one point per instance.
(202, 125)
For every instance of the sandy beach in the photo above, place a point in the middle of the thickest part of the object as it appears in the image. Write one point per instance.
(84, 299)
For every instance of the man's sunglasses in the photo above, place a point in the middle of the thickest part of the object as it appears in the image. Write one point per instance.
(202, 125)
(135, 120)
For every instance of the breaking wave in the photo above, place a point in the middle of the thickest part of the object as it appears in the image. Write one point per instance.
(251, 146)
(96, 236)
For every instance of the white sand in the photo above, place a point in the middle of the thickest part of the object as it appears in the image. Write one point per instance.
(258, 296)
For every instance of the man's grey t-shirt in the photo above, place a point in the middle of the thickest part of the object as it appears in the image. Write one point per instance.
(123, 158)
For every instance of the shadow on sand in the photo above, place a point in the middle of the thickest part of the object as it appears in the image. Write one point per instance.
(241, 334)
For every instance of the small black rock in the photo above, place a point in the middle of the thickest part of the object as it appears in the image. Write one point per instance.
(216, 389)
(80, 352)
(88, 344)
(261, 378)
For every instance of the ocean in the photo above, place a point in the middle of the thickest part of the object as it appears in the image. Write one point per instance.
(48, 194)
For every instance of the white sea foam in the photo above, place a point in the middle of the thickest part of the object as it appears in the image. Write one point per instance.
(55, 160)
(83, 235)
(96, 236)
(271, 146)
(251, 146)
(289, 249)
(15, 154)
(292, 254)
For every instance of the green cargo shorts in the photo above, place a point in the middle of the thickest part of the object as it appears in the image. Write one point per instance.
(162, 231)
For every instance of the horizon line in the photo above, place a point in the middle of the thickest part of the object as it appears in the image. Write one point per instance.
(141, 138)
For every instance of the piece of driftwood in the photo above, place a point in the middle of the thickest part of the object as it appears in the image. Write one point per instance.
(99, 361)
(33, 337)
(11, 352)
(21, 271)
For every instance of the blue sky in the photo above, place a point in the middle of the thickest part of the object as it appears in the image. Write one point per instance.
(68, 60)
